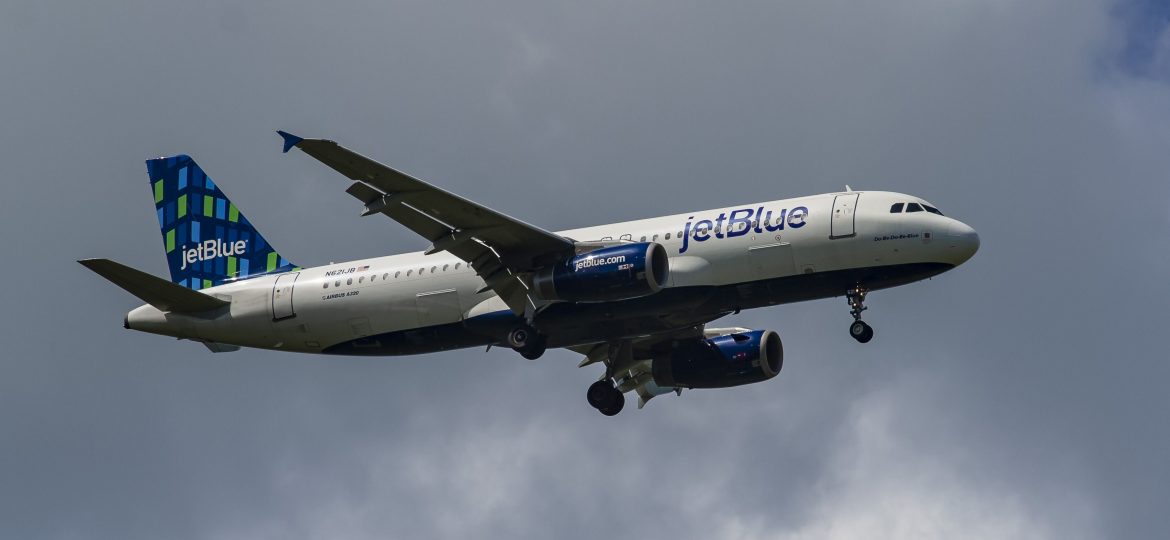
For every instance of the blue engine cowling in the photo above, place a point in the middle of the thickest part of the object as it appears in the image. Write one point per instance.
(720, 362)
(613, 273)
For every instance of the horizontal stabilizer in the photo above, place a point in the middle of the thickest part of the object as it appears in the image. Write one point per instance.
(155, 291)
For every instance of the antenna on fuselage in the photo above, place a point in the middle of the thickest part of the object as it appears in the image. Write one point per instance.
(848, 189)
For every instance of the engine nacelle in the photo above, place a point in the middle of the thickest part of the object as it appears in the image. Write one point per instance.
(613, 273)
(721, 361)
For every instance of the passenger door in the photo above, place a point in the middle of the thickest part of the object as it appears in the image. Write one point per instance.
(282, 296)
(844, 211)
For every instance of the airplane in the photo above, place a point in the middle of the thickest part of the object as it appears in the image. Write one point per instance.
(636, 297)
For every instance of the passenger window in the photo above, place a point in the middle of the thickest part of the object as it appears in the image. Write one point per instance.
(337, 284)
(445, 267)
(913, 207)
(361, 279)
(897, 208)
(326, 285)
(643, 239)
(457, 265)
(680, 234)
(386, 276)
(349, 281)
(409, 272)
(655, 239)
(668, 236)
(433, 269)
(397, 273)
(932, 209)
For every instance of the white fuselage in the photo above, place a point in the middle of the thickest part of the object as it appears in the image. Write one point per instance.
(314, 308)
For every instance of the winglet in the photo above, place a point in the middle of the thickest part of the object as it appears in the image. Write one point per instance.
(290, 140)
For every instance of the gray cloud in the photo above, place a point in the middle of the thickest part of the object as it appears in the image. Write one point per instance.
(1020, 396)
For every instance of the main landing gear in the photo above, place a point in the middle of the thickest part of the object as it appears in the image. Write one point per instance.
(858, 330)
(605, 397)
(527, 341)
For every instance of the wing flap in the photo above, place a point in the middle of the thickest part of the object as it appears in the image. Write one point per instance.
(366, 194)
(153, 290)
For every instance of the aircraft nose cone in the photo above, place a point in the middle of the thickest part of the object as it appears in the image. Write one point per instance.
(963, 242)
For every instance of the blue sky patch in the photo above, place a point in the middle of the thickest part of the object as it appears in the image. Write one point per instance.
(1144, 21)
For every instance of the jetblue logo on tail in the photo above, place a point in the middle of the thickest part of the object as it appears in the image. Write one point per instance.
(208, 240)
(702, 230)
(212, 249)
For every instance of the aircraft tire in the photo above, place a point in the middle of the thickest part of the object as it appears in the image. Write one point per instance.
(519, 337)
(600, 394)
(534, 349)
(604, 397)
(616, 407)
(861, 331)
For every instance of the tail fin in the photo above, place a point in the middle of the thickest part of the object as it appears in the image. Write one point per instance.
(208, 240)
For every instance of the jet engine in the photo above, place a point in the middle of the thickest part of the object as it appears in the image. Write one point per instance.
(612, 273)
(721, 361)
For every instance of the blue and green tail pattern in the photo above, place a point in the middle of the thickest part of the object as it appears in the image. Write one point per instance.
(208, 241)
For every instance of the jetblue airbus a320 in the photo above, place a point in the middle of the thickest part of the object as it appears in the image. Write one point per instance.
(635, 297)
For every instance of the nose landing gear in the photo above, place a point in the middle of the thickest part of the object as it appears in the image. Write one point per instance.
(859, 330)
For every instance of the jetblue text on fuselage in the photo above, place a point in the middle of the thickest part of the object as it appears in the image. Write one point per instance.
(211, 249)
(753, 219)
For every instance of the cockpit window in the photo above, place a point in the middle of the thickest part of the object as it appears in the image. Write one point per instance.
(931, 209)
(897, 208)
(913, 207)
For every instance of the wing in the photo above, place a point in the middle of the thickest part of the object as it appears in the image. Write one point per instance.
(502, 250)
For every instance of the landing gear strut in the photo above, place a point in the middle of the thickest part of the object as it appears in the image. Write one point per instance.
(527, 341)
(858, 329)
(605, 397)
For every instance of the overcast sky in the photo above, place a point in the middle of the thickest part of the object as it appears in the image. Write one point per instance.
(1021, 396)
